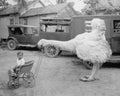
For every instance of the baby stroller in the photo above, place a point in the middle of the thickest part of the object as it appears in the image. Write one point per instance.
(21, 72)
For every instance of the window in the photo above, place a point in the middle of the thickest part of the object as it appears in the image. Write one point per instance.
(16, 30)
(54, 28)
(35, 31)
(116, 26)
(11, 21)
(23, 21)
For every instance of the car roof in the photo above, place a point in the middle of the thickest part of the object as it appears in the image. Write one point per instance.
(20, 25)
(56, 21)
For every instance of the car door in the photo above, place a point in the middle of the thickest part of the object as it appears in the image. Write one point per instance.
(18, 33)
(33, 35)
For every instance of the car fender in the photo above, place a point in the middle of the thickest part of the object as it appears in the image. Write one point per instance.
(13, 38)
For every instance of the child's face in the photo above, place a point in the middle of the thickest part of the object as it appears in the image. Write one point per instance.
(19, 56)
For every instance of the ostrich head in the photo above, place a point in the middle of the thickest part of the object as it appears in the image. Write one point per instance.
(98, 24)
(98, 27)
(40, 43)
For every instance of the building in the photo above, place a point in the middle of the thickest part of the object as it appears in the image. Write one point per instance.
(32, 16)
(8, 16)
(11, 15)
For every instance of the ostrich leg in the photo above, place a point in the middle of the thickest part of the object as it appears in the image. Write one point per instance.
(93, 73)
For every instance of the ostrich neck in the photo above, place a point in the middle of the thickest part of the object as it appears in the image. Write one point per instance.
(64, 45)
(96, 31)
(99, 34)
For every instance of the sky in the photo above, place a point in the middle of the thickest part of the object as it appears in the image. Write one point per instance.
(78, 4)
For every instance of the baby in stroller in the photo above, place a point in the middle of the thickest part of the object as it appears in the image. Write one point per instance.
(21, 70)
(20, 62)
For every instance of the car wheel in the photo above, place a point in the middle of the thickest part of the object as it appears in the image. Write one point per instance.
(51, 51)
(11, 44)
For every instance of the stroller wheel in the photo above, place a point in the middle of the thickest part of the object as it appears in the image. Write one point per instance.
(13, 84)
(30, 84)
(29, 80)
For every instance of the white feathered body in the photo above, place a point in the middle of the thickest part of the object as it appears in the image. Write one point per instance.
(91, 46)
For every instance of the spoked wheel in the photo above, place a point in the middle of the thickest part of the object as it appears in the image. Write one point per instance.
(12, 45)
(88, 64)
(51, 51)
(13, 84)
(29, 80)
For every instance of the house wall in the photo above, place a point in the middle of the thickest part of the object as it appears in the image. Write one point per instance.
(32, 21)
(23, 21)
(35, 20)
(4, 22)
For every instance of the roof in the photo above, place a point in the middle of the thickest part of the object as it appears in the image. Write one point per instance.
(13, 9)
(9, 10)
(35, 1)
(56, 21)
(45, 10)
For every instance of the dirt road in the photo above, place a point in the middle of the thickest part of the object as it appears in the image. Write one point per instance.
(59, 76)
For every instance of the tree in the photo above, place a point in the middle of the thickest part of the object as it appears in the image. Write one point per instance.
(3, 4)
(90, 6)
(21, 4)
(106, 6)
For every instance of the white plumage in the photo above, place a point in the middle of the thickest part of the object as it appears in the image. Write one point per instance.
(90, 46)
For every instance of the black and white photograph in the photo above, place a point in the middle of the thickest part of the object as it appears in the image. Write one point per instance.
(59, 47)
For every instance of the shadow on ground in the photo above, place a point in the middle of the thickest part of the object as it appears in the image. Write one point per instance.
(111, 65)
(28, 48)
(4, 47)
(77, 62)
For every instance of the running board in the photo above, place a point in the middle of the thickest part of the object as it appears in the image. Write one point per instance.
(114, 59)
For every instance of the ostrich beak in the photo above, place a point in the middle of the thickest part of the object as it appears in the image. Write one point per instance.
(40, 47)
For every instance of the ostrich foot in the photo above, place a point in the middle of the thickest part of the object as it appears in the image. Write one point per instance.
(88, 79)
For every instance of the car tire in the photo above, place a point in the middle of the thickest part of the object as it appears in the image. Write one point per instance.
(11, 44)
(51, 51)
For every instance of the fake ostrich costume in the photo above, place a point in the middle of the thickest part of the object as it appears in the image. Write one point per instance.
(88, 46)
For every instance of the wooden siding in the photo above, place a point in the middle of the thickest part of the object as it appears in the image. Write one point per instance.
(4, 22)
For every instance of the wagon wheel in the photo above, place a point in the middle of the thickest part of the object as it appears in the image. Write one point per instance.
(88, 64)
(11, 44)
(13, 84)
(51, 51)
(29, 80)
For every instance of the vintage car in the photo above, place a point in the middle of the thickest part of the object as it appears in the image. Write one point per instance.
(22, 35)
(27, 35)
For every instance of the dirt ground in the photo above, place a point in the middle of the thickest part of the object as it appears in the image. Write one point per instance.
(59, 76)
